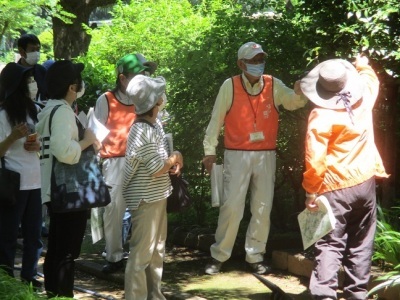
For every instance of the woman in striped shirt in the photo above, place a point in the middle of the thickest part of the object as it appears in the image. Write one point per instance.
(146, 186)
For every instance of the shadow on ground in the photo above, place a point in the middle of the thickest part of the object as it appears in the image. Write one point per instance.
(184, 272)
(184, 277)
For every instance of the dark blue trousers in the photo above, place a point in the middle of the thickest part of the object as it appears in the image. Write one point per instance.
(27, 213)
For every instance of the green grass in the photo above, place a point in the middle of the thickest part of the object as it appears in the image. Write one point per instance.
(13, 289)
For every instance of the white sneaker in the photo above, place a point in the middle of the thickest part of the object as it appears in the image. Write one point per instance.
(125, 255)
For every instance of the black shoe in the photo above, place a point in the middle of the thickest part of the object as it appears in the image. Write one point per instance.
(36, 284)
(112, 267)
(213, 267)
(260, 268)
(45, 232)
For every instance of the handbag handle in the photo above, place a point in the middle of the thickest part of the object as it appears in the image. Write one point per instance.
(51, 116)
(81, 129)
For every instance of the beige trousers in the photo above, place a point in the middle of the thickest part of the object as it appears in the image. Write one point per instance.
(144, 268)
(244, 170)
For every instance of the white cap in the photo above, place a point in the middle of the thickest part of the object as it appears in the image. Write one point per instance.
(249, 50)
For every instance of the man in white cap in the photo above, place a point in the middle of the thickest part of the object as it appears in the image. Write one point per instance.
(247, 105)
(117, 113)
(342, 162)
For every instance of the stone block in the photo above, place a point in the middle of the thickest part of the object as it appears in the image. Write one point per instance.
(389, 293)
(298, 264)
(280, 260)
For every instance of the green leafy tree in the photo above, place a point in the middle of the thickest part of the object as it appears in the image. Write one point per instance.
(20, 15)
(196, 49)
(71, 29)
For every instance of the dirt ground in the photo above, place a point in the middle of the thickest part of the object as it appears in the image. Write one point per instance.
(184, 279)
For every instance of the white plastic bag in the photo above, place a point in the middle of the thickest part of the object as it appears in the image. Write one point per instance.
(217, 184)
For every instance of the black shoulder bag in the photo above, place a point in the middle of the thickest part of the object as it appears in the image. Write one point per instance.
(180, 199)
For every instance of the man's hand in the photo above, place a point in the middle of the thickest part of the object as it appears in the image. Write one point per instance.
(296, 88)
(208, 162)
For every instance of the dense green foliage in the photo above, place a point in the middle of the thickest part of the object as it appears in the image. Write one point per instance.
(387, 239)
(195, 45)
(387, 248)
(196, 48)
(20, 14)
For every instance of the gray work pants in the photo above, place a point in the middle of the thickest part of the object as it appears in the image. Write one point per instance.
(350, 244)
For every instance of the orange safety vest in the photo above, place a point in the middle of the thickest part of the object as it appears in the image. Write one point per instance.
(119, 121)
(247, 110)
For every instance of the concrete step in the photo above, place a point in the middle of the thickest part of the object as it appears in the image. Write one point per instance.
(299, 265)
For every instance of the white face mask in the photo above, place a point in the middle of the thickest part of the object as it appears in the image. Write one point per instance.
(255, 70)
(32, 58)
(33, 89)
(82, 91)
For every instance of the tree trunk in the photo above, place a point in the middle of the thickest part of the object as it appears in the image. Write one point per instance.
(387, 139)
(71, 40)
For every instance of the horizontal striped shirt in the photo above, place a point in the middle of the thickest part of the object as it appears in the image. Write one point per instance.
(146, 151)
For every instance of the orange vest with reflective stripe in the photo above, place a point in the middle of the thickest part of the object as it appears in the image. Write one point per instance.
(119, 121)
(247, 110)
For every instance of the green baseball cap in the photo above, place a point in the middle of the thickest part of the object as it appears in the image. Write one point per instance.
(130, 63)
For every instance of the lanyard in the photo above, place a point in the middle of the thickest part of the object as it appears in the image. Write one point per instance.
(251, 105)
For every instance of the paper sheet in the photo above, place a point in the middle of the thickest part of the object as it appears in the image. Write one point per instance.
(217, 184)
(168, 137)
(315, 225)
(99, 129)
(96, 224)
(83, 119)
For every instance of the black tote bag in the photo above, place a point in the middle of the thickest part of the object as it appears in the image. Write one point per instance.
(79, 186)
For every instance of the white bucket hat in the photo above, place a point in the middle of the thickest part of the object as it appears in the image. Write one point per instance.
(145, 92)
